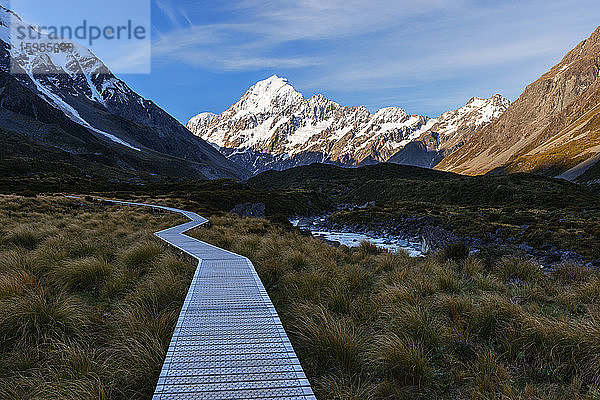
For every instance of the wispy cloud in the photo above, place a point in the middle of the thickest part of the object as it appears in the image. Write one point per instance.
(257, 33)
(352, 45)
(174, 13)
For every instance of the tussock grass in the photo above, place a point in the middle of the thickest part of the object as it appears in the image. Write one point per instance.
(368, 324)
(516, 269)
(341, 387)
(16, 283)
(38, 317)
(329, 343)
(88, 299)
(139, 257)
(16, 259)
(85, 274)
(488, 375)
(88, 304)
(24, 237)
(402, 359)
(571, 273)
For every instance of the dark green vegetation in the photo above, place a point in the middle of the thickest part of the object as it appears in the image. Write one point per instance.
(88, 299)
(388, 183)
(34, 158)
(372, 325)
(533, 209)
(49, 175)
(591, 177)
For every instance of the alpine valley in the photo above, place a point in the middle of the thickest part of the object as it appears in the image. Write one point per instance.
(404, 256)
(552, 129)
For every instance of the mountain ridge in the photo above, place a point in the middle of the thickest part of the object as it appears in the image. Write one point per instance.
(553, 128)
(272, 126)
(82, 87)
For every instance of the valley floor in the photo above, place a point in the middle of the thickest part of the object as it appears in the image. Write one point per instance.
(89, 299)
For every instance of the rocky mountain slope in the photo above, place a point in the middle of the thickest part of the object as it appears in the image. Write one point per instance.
(450, 131)
(273, 126)
(88, 102)
(553, 128)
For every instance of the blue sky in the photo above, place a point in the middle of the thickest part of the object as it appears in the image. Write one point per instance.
(427, 56)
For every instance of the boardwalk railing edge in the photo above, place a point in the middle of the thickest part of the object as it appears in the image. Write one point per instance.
(201, 362)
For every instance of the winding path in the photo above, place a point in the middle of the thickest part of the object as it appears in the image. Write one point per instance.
(229, 343)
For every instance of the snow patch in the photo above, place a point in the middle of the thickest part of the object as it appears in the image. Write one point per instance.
(73, 115)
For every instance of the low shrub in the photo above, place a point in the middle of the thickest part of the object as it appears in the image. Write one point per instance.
(456, 251)
(367, 248)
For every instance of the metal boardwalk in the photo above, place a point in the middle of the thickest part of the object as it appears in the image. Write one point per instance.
(229, 343)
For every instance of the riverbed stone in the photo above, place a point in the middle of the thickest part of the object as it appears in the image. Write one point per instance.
(436, 238)
(256, 210)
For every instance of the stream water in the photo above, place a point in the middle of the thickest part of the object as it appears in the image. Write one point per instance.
(353, 239)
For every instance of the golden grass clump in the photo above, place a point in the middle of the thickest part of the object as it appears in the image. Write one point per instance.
(512, 268)
(16, 283)
(88, 299)
(368, 324)
(327, 342)
(83, 274)
(402, 359)
(39, 317)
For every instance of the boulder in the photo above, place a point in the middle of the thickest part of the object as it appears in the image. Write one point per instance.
(436, 238)
(256, 210)
(571, 257)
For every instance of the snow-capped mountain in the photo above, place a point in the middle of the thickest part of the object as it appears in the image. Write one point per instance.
(200, 121)
(450, 131)
(273, 126)
(79, 85)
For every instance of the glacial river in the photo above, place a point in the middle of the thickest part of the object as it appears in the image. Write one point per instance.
(351, 239)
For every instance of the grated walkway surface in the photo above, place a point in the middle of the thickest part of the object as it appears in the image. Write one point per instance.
(229, 343)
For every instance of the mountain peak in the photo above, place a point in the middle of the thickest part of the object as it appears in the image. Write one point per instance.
(6, 15)
(549, 129)
(476, 101)
(272, 84)
(82, 108)
(392, 113)
(501, 100)
(273, 127)
(275, 78)
(272, 93)
(497, 99)
(200, 120)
